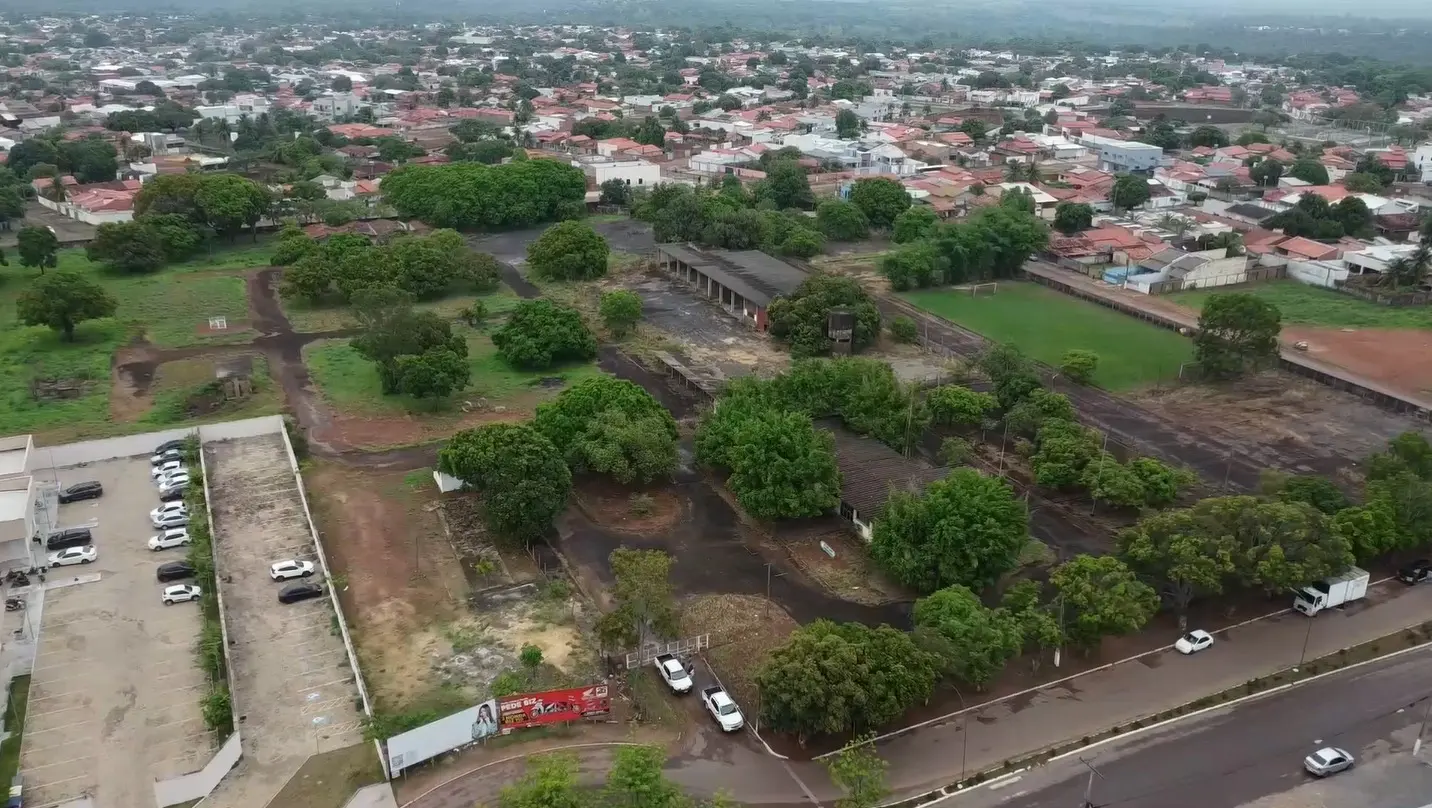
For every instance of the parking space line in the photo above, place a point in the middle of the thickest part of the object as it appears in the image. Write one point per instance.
(44, 713)
(52, 783)
(342, 682)
(32, 733)
(61, 763)
(30, 749)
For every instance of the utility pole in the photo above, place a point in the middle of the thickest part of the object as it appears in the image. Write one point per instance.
(1089, 786)
(1427, 713)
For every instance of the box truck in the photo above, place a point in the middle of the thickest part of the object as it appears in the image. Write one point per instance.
(1331, 592)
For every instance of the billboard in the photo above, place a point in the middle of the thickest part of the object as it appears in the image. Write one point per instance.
(436, 737)
(554, 706)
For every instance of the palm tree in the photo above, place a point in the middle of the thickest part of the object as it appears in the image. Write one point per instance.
(1409, 270)
(1173, 223)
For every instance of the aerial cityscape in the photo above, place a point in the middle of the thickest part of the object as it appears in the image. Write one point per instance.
(636, 405)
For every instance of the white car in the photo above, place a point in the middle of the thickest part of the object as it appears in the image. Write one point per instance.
(1327, 761)
(167, 468)
(168, 520)
(173, 481)
(723, 708)
(673, 672)
(169, 508)
(1194, 641)
(181, 593)
(291, 568)
(177, 537)
(74, 555)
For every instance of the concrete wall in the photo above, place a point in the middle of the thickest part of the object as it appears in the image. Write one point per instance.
(75, 454)
(198, 785)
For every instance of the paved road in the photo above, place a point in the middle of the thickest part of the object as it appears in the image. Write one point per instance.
(1251, 754)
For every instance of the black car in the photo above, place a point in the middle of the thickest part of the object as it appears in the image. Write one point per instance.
(1416, 572)
(169, 445)
(297, 592)
(172, 494)
(174, 571)
(79, 491)
(69, 537)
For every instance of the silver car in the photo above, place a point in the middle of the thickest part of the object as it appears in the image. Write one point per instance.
(1326, 761)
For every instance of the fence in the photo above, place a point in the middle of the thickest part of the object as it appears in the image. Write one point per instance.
(1406, 299)
(650, 651)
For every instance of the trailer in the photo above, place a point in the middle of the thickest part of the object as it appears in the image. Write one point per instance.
(1332, 592)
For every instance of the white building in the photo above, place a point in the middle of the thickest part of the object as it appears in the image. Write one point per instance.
(1422, 158)
(19, 501)
(636, 173)
(334, 106)
(241, 106)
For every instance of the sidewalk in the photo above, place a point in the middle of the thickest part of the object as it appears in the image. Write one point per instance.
(926, 759)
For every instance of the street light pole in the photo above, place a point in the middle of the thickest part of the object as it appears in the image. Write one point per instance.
(964, 732)
(1304, 653)
(1089, 786)
(1427, 713)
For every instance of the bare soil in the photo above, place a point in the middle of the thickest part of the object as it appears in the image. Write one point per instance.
(744, 630)
(403, 579)
(634, 510)
(850, 575)
(1400, 359)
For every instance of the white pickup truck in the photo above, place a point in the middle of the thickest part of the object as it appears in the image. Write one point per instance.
(673, 673)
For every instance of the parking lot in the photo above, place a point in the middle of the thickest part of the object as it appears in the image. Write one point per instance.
(293, 687)
(114, 700)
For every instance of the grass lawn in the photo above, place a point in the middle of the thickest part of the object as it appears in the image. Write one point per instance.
(351, 385)
(308, 319)
(1302, 304)
(187, 386)
(1045, 323)
(15, 724)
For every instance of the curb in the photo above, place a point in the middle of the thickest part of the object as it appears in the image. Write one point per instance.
(1054, 683)
(749, 726)
(510, 758)
(1031, 760)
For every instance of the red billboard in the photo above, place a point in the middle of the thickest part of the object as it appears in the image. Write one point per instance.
(553, 707)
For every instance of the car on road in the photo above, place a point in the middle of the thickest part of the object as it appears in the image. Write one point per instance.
(1193, 642)
(74, 555)
(1416, 572)
(298, 592)
(174, 537)
(180, 593)
(673, 673)
(69, 537)
(290, 568)
(723, 708)
(1326, 761)
(174, 571)
(79, 491)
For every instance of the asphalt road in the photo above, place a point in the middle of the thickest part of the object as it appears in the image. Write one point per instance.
(1251, 754)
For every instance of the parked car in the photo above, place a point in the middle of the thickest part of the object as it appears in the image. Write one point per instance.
(673, 673)
(173, 494)
(167, 469)
(174, 519)
(17, 793)
(173, 481)
(1416, 572)
(1326, 761)
(723, 708)
(174, 537)
(167, 508)
(174, 571)
(169, 445)
(79, 491)
(291, 568)
(1194, 641)
(180, 593)
(69, 537)
(297, 592)
(165, 456)
(73, 555)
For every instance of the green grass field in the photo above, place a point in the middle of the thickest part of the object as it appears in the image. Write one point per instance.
(350, 383)
(308, 319)
(1302, 304)
(1044, 324)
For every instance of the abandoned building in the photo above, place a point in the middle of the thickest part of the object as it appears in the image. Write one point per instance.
(744, 282)
(869, 472)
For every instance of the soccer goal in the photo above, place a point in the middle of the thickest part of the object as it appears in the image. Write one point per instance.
(983, 289)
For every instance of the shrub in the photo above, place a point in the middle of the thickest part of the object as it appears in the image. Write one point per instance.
(903, 329)
(1079, 365)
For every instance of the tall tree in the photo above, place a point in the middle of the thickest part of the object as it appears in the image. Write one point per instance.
(1184, 553)
(1072, 217)
(521, 476)
(644, 601)
(539, 334)
(1102, 597)
(881, 200)
(569, 251)
(62, 300)
(1129, 191)
(38, 247)
(975, 642)
(801, 318)
(1236, 330)
(860, 774)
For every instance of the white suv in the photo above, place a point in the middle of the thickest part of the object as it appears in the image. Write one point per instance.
(292, 568)
(177, 537)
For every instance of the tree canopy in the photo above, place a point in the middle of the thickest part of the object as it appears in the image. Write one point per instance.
(470, 195)
(1236, 331)
(569, 251)
(801, 318)
(539, 334)
(521, 476)
(63, 300)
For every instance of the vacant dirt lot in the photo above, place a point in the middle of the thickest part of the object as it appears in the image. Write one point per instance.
(1400, 359)
(383, 531)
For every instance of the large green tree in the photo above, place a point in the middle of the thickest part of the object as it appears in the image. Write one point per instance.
(62, 300)
(1102, 597)
(1184, 553)
(916, 223)
(781, 466)
(539, 334)
(569, 251)
(801, 318)
(522, 478)
(1236, 331)
(38, 247)
(974, 642)
(966, 529)
(1071, 217)
(841, 221)
(127, 247)
(786, 185)
(611, 426)
(467, 195)
(1129, 191)
(643, 599)
(881, 199)
(831, 678)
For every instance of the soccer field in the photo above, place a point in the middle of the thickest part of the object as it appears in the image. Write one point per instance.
(1044, 324)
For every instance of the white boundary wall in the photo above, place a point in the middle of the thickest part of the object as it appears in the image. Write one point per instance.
(197, 785)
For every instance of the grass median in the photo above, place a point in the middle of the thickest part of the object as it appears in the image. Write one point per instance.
(15, 725)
